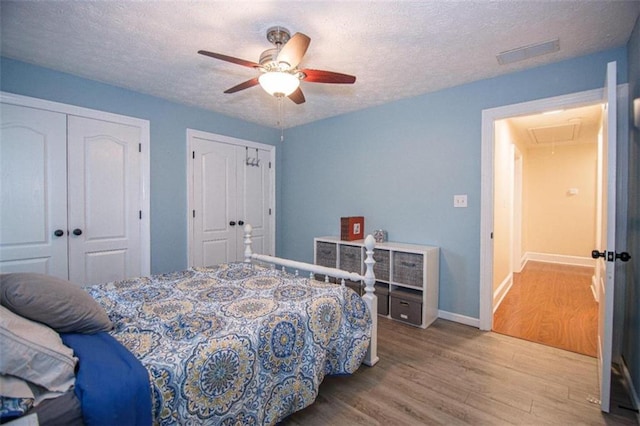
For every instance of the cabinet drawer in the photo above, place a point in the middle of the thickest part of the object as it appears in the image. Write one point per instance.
(381, 267)
(407, 268)
(351, 259)
(326, 254)
(406, 306)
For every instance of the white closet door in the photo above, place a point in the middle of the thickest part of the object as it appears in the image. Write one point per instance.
(254, 190)
(33, 202)
(104, 200)
(215, 202)
(224, 194)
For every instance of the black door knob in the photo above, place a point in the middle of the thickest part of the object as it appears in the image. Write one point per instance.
(58, 232)
(624, 256)
(241, 222)
(77, 231)
(596, 254)
(232, 223)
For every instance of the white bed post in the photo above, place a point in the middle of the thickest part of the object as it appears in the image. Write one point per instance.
(247, 243)
(372, 302)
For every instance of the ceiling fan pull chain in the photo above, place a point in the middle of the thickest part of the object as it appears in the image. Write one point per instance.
(281, 116)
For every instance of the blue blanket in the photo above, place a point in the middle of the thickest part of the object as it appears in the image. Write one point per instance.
(111, 383)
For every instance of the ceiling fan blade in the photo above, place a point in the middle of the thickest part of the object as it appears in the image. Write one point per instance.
(297, 96)
(320, 76)
(231, 59)
(242, 86)
(293, 50)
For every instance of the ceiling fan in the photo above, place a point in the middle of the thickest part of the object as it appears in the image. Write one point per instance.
(279, 67)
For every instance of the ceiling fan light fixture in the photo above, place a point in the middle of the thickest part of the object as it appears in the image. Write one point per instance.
(278, 83)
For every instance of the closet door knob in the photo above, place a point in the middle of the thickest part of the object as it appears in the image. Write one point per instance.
(232, 223)
(77, 231)
(241, 222)
(58, 232)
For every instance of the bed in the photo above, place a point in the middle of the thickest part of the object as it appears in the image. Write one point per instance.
(240, 343)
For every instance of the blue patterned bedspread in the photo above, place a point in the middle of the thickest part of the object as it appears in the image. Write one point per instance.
(237, 343)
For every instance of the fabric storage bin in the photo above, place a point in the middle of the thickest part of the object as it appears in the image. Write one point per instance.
(407, 268)
(326, 254)
(351, 259)
(406, 305)
(381, 267)
(382, 292)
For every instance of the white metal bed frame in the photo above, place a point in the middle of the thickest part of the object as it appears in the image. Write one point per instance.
(369, 279)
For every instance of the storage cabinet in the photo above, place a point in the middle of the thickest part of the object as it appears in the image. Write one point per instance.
(407, 276)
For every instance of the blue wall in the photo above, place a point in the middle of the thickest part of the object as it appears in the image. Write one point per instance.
(168, 124)
(631, 339)
(400, 164)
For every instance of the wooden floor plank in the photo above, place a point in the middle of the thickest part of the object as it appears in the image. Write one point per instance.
(454, 374)
(551, 304)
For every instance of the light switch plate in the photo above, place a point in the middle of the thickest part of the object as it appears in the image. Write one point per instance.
(460, 200)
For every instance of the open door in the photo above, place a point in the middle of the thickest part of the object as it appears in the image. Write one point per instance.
(605, 255)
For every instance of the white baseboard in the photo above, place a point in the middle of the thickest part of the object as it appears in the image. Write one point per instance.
(560, 258)
(462, 319)
(502, 290)
(631, 389)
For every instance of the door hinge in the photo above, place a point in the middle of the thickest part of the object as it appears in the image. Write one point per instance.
(140, 214)
(139, 147)
(193, 155)
(492, 235)
(269, 164)
(269, 211)
(194, 213)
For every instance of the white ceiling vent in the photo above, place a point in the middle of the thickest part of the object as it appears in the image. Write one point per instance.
(527, 52)
(562, 133)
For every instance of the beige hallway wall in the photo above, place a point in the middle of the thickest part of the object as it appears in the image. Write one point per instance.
(560, 199)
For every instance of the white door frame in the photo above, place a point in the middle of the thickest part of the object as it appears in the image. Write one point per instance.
(489, 116)
(192, 133)
(145, 202)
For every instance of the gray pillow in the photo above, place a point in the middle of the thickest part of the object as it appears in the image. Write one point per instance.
(58, 303)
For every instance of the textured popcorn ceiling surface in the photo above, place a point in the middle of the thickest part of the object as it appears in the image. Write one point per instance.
(397, 49)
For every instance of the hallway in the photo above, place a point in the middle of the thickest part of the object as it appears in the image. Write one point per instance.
(551, 304)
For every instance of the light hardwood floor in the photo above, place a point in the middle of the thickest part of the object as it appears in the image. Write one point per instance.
(551, 304)
(454, 374)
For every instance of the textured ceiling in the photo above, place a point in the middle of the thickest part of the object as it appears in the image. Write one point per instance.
(397, 49)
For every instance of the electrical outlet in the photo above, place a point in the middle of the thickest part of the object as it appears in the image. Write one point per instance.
(460, 200)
